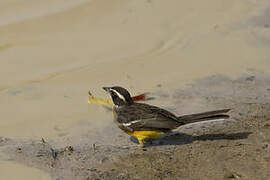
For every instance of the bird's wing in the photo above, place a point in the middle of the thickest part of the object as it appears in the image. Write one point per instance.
(150, 124)
(145, 117)
(161, 112)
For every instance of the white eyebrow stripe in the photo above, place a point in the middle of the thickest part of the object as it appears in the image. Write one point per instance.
(130, 123)
(119, 95)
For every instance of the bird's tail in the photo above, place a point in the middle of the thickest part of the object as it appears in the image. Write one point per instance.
(205, 116)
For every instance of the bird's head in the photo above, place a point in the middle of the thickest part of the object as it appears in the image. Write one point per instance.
(120, 96)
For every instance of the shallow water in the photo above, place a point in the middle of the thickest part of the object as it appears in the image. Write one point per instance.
(52, 52)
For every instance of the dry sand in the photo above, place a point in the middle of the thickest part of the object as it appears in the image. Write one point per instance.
(52, 52)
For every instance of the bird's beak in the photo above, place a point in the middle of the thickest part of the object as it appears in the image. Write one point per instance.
(107, 89)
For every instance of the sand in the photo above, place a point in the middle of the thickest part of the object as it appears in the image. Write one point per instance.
(52, 52)
(237, 148)
(12, 171)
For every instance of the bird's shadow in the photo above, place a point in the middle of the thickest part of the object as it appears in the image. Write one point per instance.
(182, 138)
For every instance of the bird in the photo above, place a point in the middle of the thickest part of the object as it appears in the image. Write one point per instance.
(144, 121)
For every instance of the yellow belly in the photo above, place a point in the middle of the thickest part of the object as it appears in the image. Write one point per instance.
(140, 135)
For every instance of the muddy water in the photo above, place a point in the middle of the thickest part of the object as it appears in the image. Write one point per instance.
(52, 52)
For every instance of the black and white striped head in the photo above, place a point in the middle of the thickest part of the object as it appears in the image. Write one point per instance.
(120, 96)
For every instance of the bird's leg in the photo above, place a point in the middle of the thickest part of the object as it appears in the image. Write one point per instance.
(142, 143)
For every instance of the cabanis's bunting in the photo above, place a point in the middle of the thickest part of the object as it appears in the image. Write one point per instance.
(145, 121)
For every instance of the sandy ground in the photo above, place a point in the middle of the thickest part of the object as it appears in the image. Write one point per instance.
(238, 148)
(53, 51)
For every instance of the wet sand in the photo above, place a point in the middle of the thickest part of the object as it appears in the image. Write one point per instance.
(52, 52)
(237, 148)
(19, 170)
